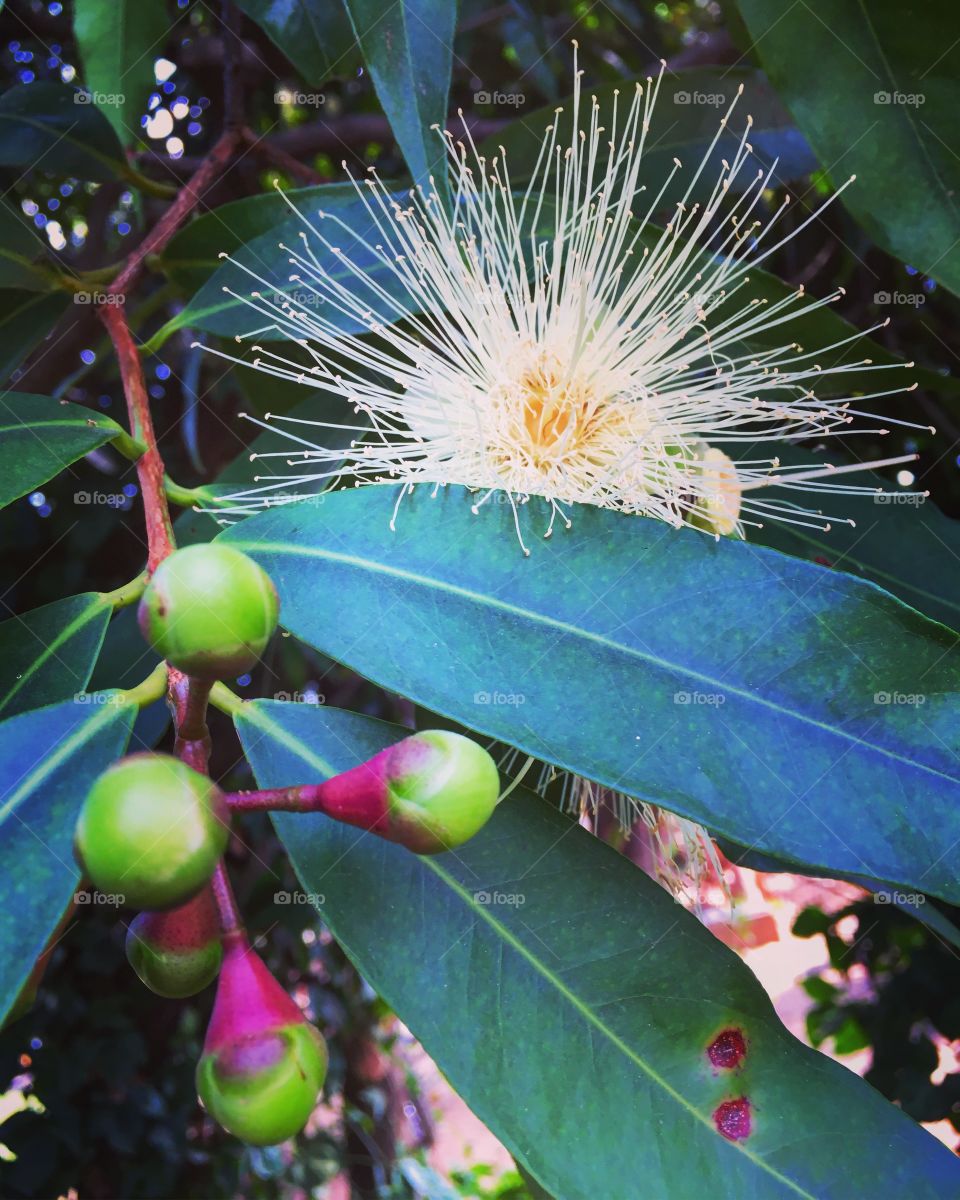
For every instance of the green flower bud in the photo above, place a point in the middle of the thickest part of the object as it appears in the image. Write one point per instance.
(151, 830)
(262, 1064)
(209, 611)
(441, 789)
(177, 953)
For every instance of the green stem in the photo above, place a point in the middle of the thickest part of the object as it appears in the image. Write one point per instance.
(129, 447)
(228, 702)
(152, 187)
(126, 594)
(153, 688)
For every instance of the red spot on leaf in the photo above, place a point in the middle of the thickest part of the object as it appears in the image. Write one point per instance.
(732, 1119)
(727, 1049)
(824, 562)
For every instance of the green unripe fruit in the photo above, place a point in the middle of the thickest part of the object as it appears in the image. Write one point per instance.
(151, 830)
(441, 789)
(177, 953)
(262, 1088)
(209, 611)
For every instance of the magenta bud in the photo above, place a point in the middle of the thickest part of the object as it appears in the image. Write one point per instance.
(177, 953)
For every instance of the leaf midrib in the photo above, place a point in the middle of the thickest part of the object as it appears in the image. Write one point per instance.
(566, 627)
(95, 605)
(256, 716)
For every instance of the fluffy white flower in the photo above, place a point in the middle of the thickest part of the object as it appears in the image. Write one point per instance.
(551, 343)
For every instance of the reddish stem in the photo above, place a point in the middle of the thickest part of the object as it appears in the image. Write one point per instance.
(357, 797)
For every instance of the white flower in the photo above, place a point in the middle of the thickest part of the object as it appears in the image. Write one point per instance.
(593, 363)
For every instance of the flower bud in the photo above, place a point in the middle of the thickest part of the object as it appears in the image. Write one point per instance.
(151, 830)
(263, 1064)
(209, 611)
(177, 953)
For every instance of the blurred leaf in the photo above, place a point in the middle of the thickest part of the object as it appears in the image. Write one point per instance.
(568, 998)
(26, 318)
(884, 108)
(39, 436)
(52, 127)
(47, 654)
(315, 35)
(20, 249)
(619, 644)
(408, 49)
(48, 761)
(118, 41)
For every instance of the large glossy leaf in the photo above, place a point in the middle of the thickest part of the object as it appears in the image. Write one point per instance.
(888, 115)
(39, 436)
(571, 1002)
(119, 41)
(48, 760)
(47, 126)
(26, 318)
(314, 34)
(48, 654)
(773, 700)
(690, 106)
(408, 49)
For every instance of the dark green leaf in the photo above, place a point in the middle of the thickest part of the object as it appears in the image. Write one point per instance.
(39, 436)
(408, 48)
(47, 654)
(20, 248)
(119, 40)
(314, 34)
(48, 760)
(26, 318)
(53, 128)
(737, 686)
(571, 1002)
(889, 114)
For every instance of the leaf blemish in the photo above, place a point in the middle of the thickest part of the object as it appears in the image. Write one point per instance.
(732, 1119)
(727, 1050)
